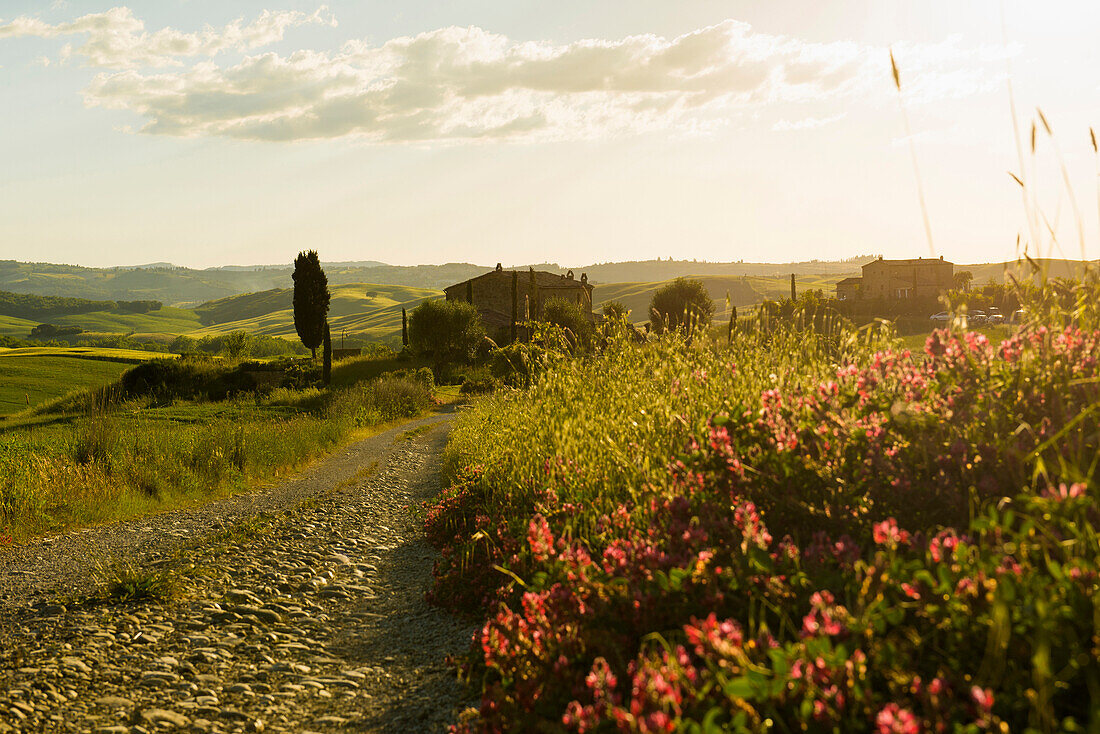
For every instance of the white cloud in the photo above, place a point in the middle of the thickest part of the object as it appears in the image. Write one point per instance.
(807, 123)
(466, 84)
(116, 39)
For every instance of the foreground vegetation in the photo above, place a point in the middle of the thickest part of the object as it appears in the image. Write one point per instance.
(170, 432)
(792, 531)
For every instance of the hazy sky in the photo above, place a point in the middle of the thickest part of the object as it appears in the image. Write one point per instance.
(204, 133)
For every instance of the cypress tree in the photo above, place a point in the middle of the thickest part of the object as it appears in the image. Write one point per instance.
(326, 364)
(311, 298)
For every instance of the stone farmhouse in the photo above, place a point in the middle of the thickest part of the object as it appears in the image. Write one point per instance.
(896, 280)
(507, 298)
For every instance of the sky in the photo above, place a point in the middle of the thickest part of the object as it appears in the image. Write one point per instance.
(206, 133)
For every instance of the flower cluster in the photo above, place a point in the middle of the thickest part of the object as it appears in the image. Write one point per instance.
(868, 555)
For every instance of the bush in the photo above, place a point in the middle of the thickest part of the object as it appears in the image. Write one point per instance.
(569, 316)
(797, 532)
(682, 305)
(380, 400)
(480, 386)
(516, 364)
(445, 330)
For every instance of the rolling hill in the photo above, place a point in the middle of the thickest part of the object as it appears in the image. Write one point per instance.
(367, 310)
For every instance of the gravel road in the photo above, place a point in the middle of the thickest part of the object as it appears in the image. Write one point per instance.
(299, 607)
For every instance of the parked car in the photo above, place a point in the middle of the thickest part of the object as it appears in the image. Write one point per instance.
(943, 316)
(977, 317)
(995, 316)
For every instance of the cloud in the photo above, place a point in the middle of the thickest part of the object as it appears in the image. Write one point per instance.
(116, 39)
(467, 84)
(807, 123)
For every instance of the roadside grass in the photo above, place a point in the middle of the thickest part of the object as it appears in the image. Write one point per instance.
(98, 459)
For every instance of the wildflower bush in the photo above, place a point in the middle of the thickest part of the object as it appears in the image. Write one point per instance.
(785, 533)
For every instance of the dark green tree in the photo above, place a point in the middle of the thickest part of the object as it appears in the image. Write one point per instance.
(326, 364)
(311, 299)
(445, 330)
(238, 344)
(682, 304)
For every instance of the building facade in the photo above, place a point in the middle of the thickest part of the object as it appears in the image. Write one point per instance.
(503, 297)
(899, 280)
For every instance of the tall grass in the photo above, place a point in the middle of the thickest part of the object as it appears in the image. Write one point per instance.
(118, 459)
(605, 427)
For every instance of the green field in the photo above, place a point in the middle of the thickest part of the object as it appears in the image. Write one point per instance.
(116, 321)
(37, 376)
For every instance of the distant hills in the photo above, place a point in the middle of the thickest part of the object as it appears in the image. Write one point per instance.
(367, 296)
(188, 287)
(366, 310)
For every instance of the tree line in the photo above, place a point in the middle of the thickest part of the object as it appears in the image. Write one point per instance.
(34, 307)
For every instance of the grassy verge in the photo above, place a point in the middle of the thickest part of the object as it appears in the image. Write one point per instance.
(105, 458)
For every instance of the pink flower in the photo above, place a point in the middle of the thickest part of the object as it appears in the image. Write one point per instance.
(1062, 492)
(887, 533)
(983, 698)
(540, 538)
(893, 719)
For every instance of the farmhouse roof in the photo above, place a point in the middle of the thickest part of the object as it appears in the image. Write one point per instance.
(542, 278)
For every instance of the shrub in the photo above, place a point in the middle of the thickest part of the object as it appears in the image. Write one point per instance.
(569, 316)
(445, 330)
(238, 344)
(479, 386)
(383, 399)
(796, 532)
(615, 311)
(516, 364)
(683, 304)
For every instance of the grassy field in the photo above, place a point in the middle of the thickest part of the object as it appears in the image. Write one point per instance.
(163, 442)
(364, 310)
(30, 377)
(115, 321)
